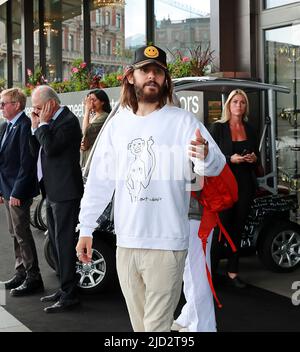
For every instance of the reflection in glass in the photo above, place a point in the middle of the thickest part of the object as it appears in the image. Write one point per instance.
(63, 23)
(276, 3)
(3, 51)
(135, 25)
(36, 32)
(180, 26)
(283, 68)
(17, 43)
(107, 36)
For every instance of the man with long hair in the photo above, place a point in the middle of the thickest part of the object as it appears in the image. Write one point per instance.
(142, 156)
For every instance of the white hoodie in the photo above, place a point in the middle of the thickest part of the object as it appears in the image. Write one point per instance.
(145, 160)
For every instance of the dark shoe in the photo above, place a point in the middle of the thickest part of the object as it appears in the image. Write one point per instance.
(28, 287)
(14, 282)
(51, 298)
(236, 282)
(62, 306)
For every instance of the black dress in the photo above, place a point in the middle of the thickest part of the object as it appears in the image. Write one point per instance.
(234, 218)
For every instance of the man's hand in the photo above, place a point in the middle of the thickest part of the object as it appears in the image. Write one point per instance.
(48, 111)
(199, 147)
(14, 202)
(1, 200)
(84, 249)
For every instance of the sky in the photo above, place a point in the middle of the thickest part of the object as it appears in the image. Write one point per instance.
(135, 9)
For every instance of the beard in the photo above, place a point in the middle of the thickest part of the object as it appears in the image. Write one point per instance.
(148, 96)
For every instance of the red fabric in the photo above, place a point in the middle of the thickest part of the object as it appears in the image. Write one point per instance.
(218, 193)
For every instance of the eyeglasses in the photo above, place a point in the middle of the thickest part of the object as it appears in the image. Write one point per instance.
(2, 103)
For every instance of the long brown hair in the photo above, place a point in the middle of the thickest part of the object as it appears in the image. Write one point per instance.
(128, 97)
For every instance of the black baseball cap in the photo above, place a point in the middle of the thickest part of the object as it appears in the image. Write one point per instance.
(149, 54)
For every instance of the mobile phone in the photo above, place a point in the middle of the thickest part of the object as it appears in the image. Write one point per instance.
(245, 152)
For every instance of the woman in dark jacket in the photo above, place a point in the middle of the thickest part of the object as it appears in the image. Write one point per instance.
(238, 142)
(97, 108)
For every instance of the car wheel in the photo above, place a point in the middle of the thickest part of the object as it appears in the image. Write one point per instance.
(33, 217)
(48, 252)
(100, 274)
(279, 248)
(42, 214)
(97, 276)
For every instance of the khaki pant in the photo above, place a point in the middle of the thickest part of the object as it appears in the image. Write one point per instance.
(151, 282)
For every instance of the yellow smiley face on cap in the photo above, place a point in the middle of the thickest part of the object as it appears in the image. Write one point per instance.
(151, 52)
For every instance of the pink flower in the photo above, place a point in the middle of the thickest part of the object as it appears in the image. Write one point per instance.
(83, 65)
(74, 70)
(29, 72)
(119, 77)
(185, 59)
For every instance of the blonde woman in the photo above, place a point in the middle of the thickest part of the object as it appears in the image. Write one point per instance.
(238, 142)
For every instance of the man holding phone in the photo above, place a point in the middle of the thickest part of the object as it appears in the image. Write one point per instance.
(56, 145)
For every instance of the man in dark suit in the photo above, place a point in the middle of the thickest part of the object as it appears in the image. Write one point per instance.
(56, 142)
(18, 185)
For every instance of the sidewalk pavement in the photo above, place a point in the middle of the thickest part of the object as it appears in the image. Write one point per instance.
(8, 323)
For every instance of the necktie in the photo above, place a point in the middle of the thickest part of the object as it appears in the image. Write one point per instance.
(6, 133)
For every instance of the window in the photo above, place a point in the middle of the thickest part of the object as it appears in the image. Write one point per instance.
(282, 49)
(17, 43)
(118, 48)
(61, 15)
(275, 3)
(178, 23)
(36, 33)
(3, 56)
(108, 47)
(118, 20)
(107, 18)
(71, 42)
(112, 35)
(98, 17)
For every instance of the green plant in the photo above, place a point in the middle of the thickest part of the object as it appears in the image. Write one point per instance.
(79, 75)
(2, 84)
(113, 79)
(62, 87)
(193, 64)
(34, 79)
(83, 78)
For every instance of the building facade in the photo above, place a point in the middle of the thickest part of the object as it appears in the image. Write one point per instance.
(52, 34)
